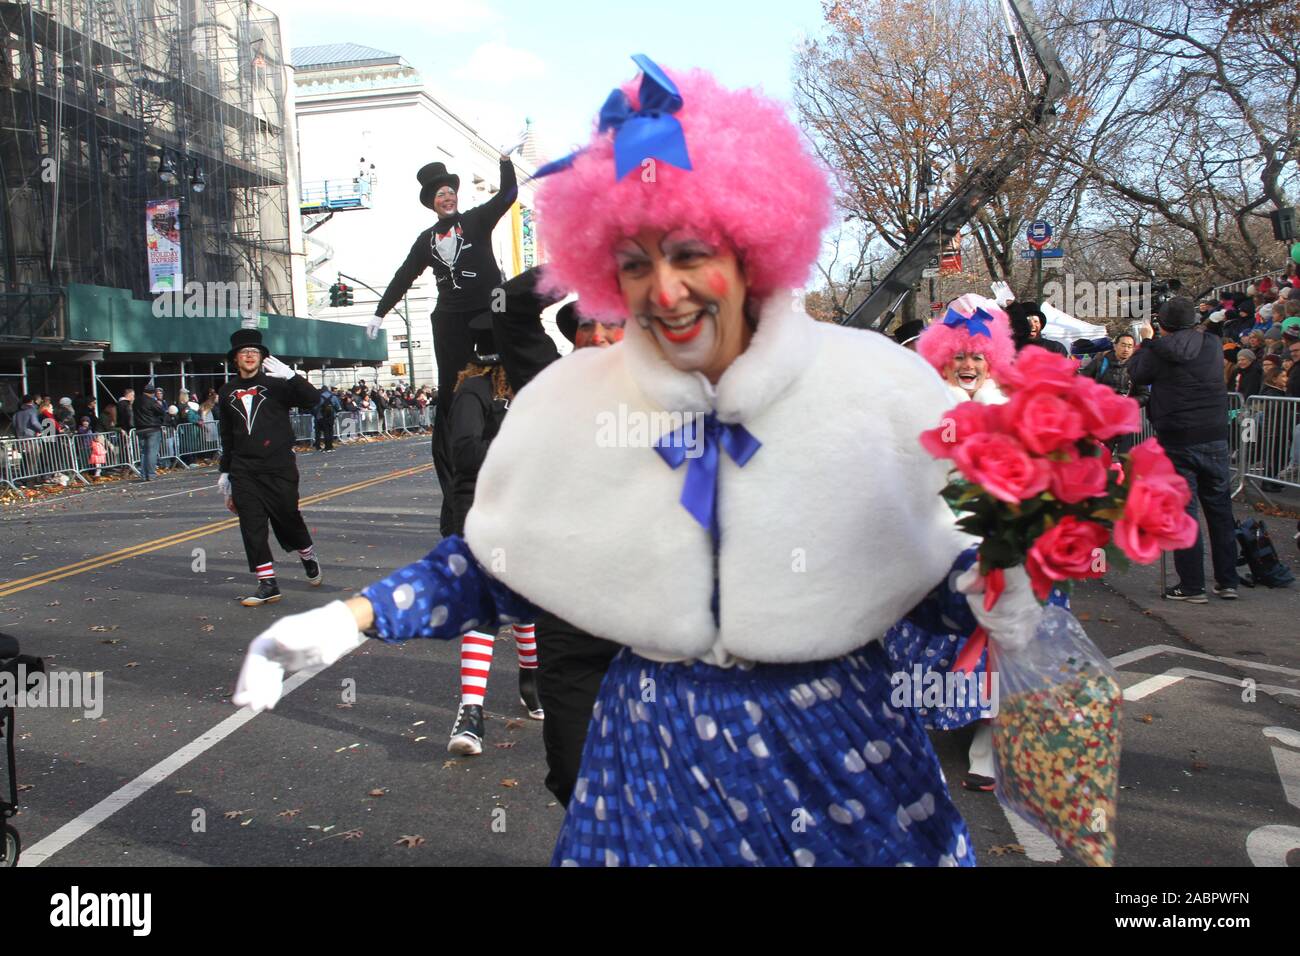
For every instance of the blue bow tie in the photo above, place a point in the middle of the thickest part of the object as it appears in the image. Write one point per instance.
(977, 324)
(646, 133)
(700, 492)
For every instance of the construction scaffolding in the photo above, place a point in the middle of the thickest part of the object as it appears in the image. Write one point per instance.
(106, 105)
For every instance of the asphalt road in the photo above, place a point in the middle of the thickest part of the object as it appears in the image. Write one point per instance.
(139, 581)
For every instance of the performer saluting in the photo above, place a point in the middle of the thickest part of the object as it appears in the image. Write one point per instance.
(259, 476)
(459, 248)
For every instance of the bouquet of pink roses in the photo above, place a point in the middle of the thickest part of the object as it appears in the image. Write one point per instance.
(1037, 484)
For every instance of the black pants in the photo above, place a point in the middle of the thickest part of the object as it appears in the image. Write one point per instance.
(1208, 474)
(325, 432)
(453, 348)
(570, 666)
(268, 498)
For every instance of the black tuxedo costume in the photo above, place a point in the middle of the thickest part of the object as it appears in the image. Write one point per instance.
(459, 250)
(257, 453)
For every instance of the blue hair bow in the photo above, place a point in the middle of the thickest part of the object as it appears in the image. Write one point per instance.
(645, 133)
(977, 324)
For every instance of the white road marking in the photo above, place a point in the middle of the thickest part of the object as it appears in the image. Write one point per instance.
(79, 827)
(1038, 847)
(1172, 676)
(1284, 735)
(175, 493)
(1120, 660)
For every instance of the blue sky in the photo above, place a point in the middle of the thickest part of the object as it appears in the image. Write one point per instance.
(499, 61)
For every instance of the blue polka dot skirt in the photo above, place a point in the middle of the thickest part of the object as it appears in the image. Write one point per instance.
(771, 765)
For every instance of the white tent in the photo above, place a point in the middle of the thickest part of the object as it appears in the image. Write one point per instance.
(1065, 328)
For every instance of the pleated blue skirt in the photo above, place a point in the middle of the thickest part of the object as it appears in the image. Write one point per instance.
(773, 765)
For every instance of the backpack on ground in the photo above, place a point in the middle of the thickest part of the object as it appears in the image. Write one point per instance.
(1258, 552)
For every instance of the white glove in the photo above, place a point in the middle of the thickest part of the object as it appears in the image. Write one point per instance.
(274, 368)
(515, 148)
(1015, 617)
(223, 485)
(374, 325)
(313, 639)
(1002, 294)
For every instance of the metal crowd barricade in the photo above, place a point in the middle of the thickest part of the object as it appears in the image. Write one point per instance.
(197, 439)
(1237, 415)
(304, 426)
(40, 457)
(1269, 438)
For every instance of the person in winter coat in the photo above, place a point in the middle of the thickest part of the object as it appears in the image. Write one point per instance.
(1112, 370)
(742, 691)
(1189, 409)
(1248, 379)
(326, 411)
(482, 397)
(27, 421)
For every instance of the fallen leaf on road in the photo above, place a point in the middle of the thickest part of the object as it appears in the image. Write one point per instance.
(290, 814)
(509, 782)
(417, 723)
(1147, 718)
(184, 791)
(102, 627)
(1200, 765)
(23, 787)
(132, 663)
(54, 604)
(352, 834)
(378, 792)
(418, 739)
(505, 746)
(410, 841)
(236, 814)
(446, 764)
(51, 620)
(112, 640)
(1006, 848)
(208, 628)
(1084, 616)
(514, 724)
(1108, 620)
(343, 706)
(247, 822)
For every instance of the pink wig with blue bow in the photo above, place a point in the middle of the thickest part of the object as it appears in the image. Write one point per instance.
(752, 186)
(971, 324)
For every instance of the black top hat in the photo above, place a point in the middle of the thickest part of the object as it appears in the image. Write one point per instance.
(908, 331)
(244, 338)
(432, 177)
(485, 342)
(567, 320)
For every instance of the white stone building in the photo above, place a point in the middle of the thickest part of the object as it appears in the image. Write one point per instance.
(365, 124)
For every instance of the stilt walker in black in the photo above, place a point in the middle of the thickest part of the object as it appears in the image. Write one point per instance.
(459, 249)
(259, 476)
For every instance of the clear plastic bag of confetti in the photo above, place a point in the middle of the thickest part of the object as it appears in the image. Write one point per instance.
(1056, 737)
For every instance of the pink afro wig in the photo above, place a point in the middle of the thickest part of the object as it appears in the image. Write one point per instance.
(753, 188)
(939, 342)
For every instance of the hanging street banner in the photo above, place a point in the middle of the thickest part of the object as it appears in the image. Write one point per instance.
(162, 232)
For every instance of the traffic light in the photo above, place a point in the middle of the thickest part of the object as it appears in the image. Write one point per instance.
(345, 294)
(334, 295)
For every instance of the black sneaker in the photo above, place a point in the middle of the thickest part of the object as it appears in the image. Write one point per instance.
(1228, 594)
(978, 783)
(1177, 593)
(267, 593)
(313, 573)
(528, 695)
(467, 732)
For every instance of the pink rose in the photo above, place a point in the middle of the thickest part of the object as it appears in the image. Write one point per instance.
(1000, 464)
(960, 423)
(1042, 369)
(1080, 477)
(1043, 421)
(1155, 518)
(1068, 551)
(1105, 412)
(1148, 460)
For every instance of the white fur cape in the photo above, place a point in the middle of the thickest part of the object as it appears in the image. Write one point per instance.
(829, 535)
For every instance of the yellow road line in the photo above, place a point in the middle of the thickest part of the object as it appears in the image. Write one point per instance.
(90, 564)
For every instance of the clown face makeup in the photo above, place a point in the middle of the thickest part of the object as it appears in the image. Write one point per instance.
(968, 371)
(444, 202)
(689, 294)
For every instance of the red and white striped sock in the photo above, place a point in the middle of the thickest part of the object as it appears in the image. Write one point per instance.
(475, 662)
(308, 553)
(265, 571)
(526, 645)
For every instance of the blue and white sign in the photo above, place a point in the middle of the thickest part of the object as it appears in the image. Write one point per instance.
(1057, 253)
(1039, 233)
